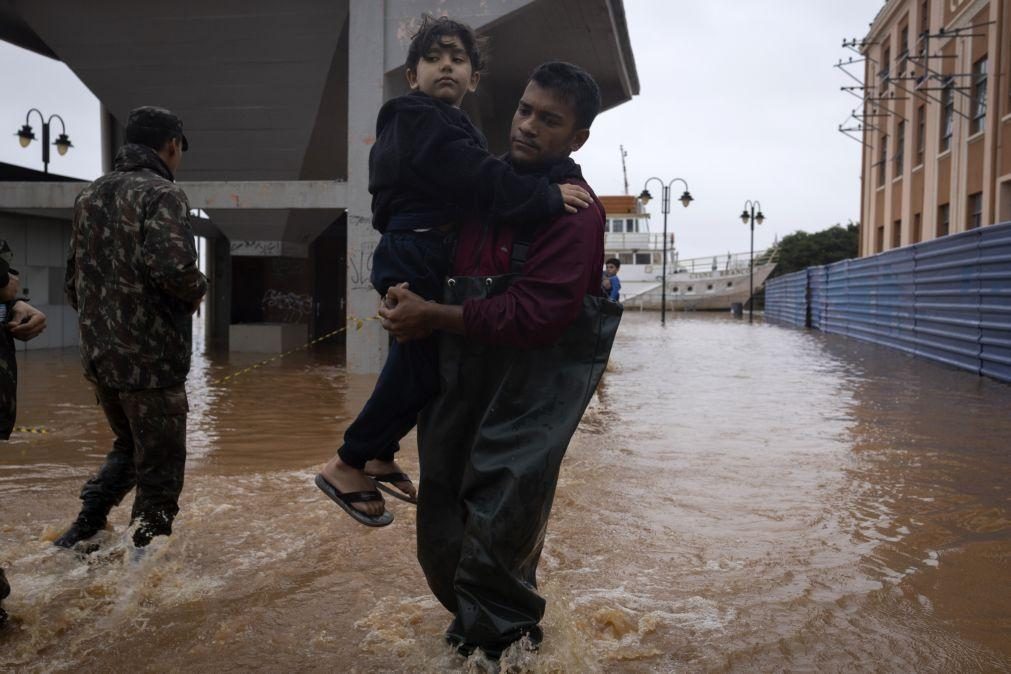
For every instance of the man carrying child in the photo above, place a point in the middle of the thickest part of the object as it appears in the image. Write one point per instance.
(429, 170)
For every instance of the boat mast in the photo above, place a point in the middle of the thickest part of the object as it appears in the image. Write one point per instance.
(624, 171)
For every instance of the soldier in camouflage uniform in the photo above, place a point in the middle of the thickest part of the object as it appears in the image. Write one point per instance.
(18, 320)
(132, 276)
(5, 590)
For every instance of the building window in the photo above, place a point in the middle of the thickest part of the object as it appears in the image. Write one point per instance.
(880, 243)
(882, 160)
(897, 234)
(643, 258)
(943, 216)
(975, 210)
(657, 258)
(947, 113)
(886, 65)
(629, 225)
(688, 289)
(917, 232)
(709, 287)
(730, 284)
(625, 258)
(921, 133)
(904, 42)
(900, 148)
(978, 95)
(924, 22)
(673, 289)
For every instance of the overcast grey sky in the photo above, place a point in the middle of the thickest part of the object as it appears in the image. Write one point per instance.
(738, 97)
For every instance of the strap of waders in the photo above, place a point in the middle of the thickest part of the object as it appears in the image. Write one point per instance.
(521, 247)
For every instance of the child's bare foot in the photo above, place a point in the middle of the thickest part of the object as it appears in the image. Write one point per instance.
(348, 479)
(377, 468)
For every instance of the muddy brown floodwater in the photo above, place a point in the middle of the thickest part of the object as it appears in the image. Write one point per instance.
(738, 498)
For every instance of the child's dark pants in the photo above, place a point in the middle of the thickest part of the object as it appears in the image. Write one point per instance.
(410, 377)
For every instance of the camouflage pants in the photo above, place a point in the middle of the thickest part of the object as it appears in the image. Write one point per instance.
(5, 590)
(8, 386)
(149, 453)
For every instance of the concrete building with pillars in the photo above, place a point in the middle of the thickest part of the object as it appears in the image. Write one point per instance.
(279, 103)
(936, 121)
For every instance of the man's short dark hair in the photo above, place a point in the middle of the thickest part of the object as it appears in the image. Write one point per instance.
(434, 30)
(615, 261)
(574, 85)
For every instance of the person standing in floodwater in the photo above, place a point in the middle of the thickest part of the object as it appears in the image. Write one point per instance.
(525, 336)
(132, 276)
(18, 320)
(611, 283)
(429, 168)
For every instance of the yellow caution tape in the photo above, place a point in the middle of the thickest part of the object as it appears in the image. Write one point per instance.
(359, 322)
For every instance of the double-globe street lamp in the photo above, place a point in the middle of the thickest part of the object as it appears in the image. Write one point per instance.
(749, 215)
(665, 209)
(686, 198)
(26, 136)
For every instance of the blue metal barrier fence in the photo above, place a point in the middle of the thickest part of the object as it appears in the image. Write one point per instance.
(948, 300)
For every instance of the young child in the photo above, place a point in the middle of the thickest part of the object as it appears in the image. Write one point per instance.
(611, 284)
(428, 168)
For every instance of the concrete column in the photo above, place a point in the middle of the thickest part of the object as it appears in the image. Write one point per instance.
(366, 348)
(219, 305)
(111, 138)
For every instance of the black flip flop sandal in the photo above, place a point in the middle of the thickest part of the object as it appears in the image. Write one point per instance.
(386, 482)
(345, 501)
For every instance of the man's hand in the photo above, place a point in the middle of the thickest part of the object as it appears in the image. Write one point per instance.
(574, 197)
(405, 315)
(26, 322)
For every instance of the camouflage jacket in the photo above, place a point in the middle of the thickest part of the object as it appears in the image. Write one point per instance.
(8, 380)
(132, 274)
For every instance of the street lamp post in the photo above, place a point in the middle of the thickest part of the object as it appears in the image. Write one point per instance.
(749, 215)
(26, 136)
(686, 198)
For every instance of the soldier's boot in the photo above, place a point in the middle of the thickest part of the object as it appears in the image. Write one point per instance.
(88, 523)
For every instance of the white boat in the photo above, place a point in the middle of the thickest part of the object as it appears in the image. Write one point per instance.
(706, 283)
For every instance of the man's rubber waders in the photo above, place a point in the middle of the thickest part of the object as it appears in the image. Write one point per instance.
(491, 445)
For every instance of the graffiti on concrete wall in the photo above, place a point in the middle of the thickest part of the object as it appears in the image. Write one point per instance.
(256, 248)
(290, 307)
(360, 261)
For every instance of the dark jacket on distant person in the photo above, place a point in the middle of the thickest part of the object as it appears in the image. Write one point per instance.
(428, 155)
(132, 274)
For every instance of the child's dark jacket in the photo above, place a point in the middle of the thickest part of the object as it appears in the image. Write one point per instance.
(429, 158)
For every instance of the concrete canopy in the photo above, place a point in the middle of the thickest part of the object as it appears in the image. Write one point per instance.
(260, 85)
(521, 35)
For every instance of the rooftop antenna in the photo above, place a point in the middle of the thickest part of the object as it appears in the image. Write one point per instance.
(624, 170)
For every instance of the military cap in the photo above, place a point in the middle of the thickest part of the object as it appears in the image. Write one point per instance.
(150, 125)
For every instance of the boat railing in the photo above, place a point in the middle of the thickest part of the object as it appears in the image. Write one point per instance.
(634, 241)
(731, 263)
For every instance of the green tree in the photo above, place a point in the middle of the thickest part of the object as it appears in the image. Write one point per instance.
(801, 250)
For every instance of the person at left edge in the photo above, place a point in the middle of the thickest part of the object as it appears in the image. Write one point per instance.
(19, 320)
(132, 276)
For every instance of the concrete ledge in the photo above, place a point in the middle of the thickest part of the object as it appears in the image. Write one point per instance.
(221, 194)
(267, 337)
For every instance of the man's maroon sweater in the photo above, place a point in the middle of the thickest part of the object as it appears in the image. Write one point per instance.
(563, 265)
